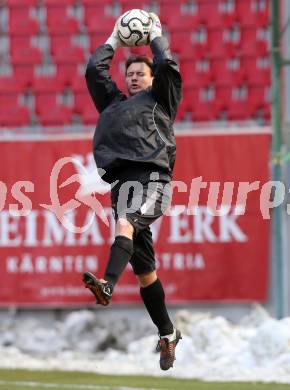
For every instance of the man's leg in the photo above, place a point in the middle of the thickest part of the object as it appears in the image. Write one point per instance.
(120, 254)
(152, 293)
(121, 251)
(143, 262)
(153, 296)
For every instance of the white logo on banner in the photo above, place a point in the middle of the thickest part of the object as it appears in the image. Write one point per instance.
(91, 182)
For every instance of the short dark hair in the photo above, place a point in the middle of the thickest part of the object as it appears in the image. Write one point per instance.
(139, 58)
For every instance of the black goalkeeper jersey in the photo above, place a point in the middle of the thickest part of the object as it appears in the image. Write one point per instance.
(134, 136)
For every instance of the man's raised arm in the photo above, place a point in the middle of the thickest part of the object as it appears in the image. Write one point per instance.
(102, 88)
(167, 80)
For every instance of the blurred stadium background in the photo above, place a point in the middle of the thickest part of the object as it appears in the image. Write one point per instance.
(222, 47)
(226, 57)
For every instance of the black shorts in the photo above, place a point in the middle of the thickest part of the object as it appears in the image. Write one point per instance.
(141, 204)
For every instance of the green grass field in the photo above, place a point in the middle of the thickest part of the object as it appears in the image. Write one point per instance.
(60, 380)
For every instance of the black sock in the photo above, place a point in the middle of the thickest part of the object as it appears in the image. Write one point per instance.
(121, 253)
(154, 299)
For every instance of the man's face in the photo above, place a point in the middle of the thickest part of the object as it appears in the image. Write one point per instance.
(138, 77)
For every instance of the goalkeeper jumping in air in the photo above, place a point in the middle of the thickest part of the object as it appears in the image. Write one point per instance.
(134, 142)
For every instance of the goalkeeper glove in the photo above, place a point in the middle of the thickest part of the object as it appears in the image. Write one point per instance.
(156, 29)
(114, 39)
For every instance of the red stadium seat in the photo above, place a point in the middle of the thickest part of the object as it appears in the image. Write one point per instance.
(199, 107)
(47, 84)
(194, 74)
(240, 106)
(67, 72)
(97, 22)
(69, 55)
(23, 26)
(189, 98)
(11, 85)
(24, 70)
(26, 56)
(226, 75)
(8, 100)
(258, 98)
(208, 13)
(176, 37)
(203, 42)
(169, 10)
(22, 3)
(182, 23)
(90, 116)
(267, 112)
(240, 110)
(24, 74)
(252, 45)
(57, 42)
(18, 13)
(56, 12)
(51, 111)
(14, 116)
(93, 3)
(11, 112)
(55, 116)
(131, 4)
(258, 70)
(97, 9)
(85, 107)
(223, 94)
(97, 39)
(211, 15)
(42, 101)
(79, 84)
(56, 3)
(19, 42)
(193, 52)
(59, 23)
(205, 111)
(82, 102)
(251, 16)
(220, 47)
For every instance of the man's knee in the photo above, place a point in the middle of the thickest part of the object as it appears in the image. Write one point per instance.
(147, 278)
(124, 228)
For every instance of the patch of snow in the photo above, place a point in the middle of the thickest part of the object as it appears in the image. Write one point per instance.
(212, 348)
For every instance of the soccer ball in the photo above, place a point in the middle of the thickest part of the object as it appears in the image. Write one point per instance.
(134, 26)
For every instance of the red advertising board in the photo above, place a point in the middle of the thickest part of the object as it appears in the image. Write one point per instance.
(211, 245)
